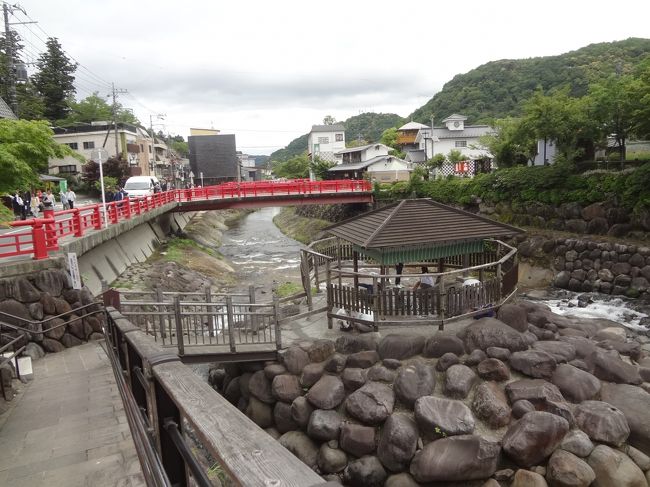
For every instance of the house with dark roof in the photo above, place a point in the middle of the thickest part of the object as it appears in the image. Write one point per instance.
(325, 140)
(383, 169)
(454, 135)
(361, 153)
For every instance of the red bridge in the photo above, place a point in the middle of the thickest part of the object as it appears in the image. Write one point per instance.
(41, 235)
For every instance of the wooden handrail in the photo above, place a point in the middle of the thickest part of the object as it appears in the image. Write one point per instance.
(246, 452)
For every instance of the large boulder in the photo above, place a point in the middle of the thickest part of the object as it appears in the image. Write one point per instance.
(578, 443)
(537, 391)
(609, 368)
(614, 469)
(260, 412)
(459, 379)
(301, 446)
(301, 411)
(311, 373)
(355, 343)
(439, 344)
(356, 439)
(437, 416)
(327, 393)
(493, 369)
(294, 359)
(575, 384)
(353, 378)
(283, 419)
(490, 332)
(20, 289)
(70, 341)
(491, 405)
(534, 363)
(564, 469)
(260, 387)
(372, 403)
(54, 328)
(52, 281)
(534, 437)
(560, 351)
(331, 460)
(458, 458)
(52, 346)
(399, 438)
(400, 347)
(526, 478)
(413, 382)
(634, 402)
(20, 313)
(514, 316)
(365, 472)
(320, 350)
(602, 422)
(324, 425)
(285, 387)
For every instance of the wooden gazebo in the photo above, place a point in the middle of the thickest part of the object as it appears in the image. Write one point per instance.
(415, 232)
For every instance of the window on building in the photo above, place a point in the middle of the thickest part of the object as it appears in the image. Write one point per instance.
(461, 143)
(323, 140)
(141, 147)
(69, 169)
(89, 145)
(73, 145)
(339, 137)
(149, 149)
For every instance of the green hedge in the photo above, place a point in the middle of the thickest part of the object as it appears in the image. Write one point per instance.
(553, 185)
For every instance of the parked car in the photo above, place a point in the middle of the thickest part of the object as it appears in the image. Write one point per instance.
(138, 186)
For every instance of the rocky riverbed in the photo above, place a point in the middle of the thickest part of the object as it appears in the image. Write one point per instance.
(530, 398)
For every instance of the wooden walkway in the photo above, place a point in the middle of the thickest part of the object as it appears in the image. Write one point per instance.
(68, 428)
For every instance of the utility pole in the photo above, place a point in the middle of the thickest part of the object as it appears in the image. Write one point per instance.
(9, 52)
(116, 91)
(158, 116)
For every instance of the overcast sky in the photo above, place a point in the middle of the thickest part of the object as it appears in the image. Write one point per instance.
(268, 70)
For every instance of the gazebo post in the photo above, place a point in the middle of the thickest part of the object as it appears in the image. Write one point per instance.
(338, 254)
(465, 265)
(355, 268)
(375, 304)
(441, 264)
(329, 293)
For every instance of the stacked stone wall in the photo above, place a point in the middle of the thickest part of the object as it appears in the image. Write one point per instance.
(582, 265)
(43, 295)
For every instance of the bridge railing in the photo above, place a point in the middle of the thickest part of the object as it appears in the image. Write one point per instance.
(176, 417)
(44, 234)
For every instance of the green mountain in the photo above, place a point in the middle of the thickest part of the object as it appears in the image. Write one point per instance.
(498, 88)
(366, 126)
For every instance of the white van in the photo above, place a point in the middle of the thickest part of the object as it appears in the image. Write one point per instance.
(137, 186)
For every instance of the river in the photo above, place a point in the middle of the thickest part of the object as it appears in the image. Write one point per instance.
(260, 253)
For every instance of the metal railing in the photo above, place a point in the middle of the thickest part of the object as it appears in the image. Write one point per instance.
(172, 411)
(44, 233)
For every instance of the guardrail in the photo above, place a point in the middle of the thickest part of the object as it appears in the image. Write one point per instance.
(170, 410)
(44, 235)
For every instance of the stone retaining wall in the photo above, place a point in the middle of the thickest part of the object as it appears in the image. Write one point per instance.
(590, 266)
(508, 401)
(42, 295)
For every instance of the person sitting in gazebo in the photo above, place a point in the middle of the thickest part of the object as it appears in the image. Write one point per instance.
(425, 282)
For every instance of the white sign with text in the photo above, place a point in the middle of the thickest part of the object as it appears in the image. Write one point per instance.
(73, 266)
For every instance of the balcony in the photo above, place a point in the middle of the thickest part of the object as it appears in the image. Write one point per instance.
(406, 137)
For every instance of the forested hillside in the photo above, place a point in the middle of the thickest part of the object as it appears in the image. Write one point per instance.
(366, 126)
(498, 89)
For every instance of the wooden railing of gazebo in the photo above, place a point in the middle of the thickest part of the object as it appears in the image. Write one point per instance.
(328, 261)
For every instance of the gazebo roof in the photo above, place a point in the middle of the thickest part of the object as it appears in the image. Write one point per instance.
(418, 229)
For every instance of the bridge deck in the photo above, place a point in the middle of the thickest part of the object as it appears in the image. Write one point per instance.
(68, 428)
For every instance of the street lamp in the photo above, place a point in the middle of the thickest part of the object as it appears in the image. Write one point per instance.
(100, 155)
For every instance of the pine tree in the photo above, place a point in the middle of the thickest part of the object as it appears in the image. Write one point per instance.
(16, 48)
(55, 80)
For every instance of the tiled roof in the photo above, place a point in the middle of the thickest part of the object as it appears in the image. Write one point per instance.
(412, 126)
(360, 165)
(418, 223)
(470, 131)
(5, 111)
(360, 148)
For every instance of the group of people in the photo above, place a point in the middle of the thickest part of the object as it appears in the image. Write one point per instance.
(30, 202)
(118, 195)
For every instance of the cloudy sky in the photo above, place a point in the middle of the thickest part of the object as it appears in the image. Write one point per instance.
(268, 70)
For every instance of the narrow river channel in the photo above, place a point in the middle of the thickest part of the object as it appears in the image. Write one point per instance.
(260, 253)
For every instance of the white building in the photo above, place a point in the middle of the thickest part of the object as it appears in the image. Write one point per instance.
(361, 153)
(455, 135)
(384, 169)
(326, 140)
(133, 142)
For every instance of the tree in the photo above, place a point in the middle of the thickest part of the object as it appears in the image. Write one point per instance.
(641, 92)
(12, 41)
(320, 167)
(55, 80)
(114, 167)
(94, 108)
(510, 144)
(181, 147)
(455, 156)
(435, 162)
(329, 120)
(296, 167)
(25, 147)
(29, 101)
(613, 104)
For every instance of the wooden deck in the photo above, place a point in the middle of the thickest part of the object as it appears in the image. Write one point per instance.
(222, 353)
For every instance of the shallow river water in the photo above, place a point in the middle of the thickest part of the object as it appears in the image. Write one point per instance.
(260, 253)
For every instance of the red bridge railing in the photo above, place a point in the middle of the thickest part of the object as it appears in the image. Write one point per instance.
(41, 235)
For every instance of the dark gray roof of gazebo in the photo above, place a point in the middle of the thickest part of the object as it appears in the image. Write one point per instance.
(418, 223)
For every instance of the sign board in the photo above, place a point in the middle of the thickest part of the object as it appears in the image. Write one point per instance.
(73, 266)
(63, 185)
(100, 156)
